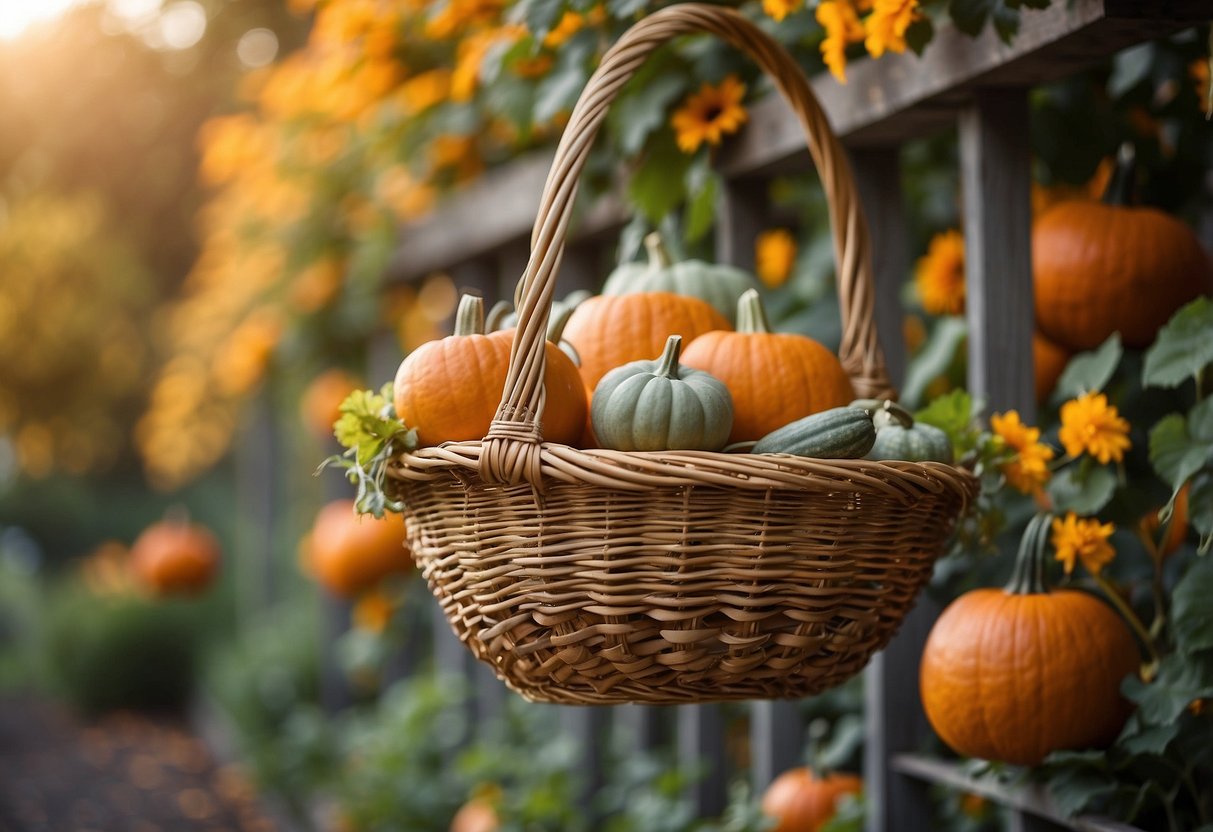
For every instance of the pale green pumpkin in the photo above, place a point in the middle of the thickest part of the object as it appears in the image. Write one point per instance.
(899, 436)
(720, 286)
(661, 406)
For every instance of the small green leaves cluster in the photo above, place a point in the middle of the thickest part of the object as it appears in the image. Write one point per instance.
(372, 435)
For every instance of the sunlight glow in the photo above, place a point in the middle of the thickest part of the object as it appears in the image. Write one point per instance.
(18, 15)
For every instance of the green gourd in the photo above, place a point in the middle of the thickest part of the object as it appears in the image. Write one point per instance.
(838, 433)
(659, 406)
(898, 436)
(720, 286)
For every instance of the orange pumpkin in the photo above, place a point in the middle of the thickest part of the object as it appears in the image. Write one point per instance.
(1104, 268)
(1013, 674)
(477, 815)
(1049, 360)
(1178, 531)
(803, 802)
(320, 405)
(175, 557)
(347, 552)
(609, 331)
(449, 389)
(775, 378)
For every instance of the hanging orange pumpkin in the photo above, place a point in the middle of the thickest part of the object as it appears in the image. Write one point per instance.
(449, 389)
(609, 331)
(1104, 268)
(803, 802)
(347, 552)
(1049, 360)
(1013, 674)
(775, 378)
(320, 405)
(175, 557)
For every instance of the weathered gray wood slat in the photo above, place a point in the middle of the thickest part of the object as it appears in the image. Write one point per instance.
(642, 725)
(995, 158)
(701, 748)
(884, 102)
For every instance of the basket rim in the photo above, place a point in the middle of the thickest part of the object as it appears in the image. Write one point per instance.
(901, 480)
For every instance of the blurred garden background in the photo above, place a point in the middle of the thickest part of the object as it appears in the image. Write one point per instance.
(201, 204)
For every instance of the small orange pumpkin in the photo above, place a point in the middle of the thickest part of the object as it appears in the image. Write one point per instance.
(175, 557)
(775, 378)
(1104, 268)
(347, 552)
(609, 331)
(1049, 360)
(477, 815)
(320, 405)
(1013, 674)
(449, 389)
(803, 802)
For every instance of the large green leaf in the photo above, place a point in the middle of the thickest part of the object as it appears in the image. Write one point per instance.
(1191, 615)
(658, 186)
(1180, 447)
(1146, 739)
(1082, 492)
(1183, 348)
(703, 186)
(970, 16)
(539, 16)
(1181, 679)
(934, 359)
(560, 89)
(635, 116)
(1089, 371)
(1200, 509)
(1084, 780)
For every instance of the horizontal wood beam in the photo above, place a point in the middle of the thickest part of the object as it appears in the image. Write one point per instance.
(885, 102)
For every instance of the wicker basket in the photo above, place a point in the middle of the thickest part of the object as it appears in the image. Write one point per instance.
(599, 576)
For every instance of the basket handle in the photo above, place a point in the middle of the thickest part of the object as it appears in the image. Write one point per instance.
(511, 449)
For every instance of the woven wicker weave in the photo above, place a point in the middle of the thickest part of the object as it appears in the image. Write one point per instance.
(598, 576)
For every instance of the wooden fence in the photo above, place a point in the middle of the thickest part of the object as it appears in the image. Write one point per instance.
(976, 86)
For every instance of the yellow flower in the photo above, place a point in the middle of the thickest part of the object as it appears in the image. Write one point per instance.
(1198, 70)
(886, 26)
(471, 54)
(841, 23)
(1090, 424)
(1028, 471)
(779, 9)
(570, 24)
(373, 611)
(710, 114)
(940, 275)
(1085, 540)
(774, 256)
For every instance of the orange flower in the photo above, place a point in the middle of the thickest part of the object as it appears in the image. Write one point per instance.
(774, 256)
(1028, 471)
(571, 23)
(373, 611)
(425, 89)
(1199, 72)
(887, 24)
(710, 114)
(779, 9)
(1090, 424)
(1085, 540)
(940, 275)
(841, 23)
(471, 54)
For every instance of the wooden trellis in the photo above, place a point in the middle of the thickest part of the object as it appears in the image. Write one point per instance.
(976, 86)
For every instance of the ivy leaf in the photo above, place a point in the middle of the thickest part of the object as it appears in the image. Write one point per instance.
(1181, 678)
(1200, 509)
(703, 185)
(634, 118)
(1078, 779)
(1180, 447)
(1147, 739)
(1183, 347)
(659, 184)
(538, 15)
(919, 34)
(1071, 491)
(1190, 615)
(934, 359)
(952, 413)
(621, 9)
(1089, 371)
(562, 86)
(970, 17)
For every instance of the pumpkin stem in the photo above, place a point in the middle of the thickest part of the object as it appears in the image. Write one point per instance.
(1120, 186)
(574, 299)
(751, 316)
(887, 406)
(497, 315)
(659, 258)
(1029, 575)
(469, 317)
(669, 358)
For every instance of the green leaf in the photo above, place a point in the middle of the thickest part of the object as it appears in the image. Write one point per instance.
(539, 16)
(621, 9)
(635, 116)
(952, 413)
(1200, 509)
(934, 359)
(1082, 494)
(1183, 347)
(1181, 678)
(562, 86)
(1180, 447)
(1089, 371)
(1142, 739)
(658, 186)
(970, 16)
(1077, 787)
(919, 34)
(1190, 614)
(703, 185)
